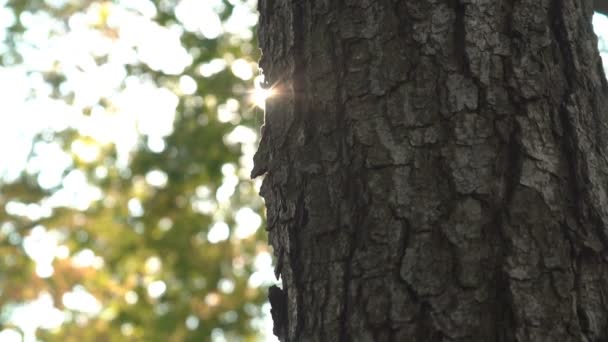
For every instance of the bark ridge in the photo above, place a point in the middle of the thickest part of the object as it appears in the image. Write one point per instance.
(436, 170)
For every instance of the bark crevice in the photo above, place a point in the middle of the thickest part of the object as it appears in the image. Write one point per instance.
(436, 170)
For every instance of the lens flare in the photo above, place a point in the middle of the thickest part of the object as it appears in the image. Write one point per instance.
(260, 95)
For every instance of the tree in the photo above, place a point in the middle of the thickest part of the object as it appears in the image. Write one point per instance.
(133, 218)
(601, 6)
(435, 170)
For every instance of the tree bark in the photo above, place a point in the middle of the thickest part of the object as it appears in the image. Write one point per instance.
(435, 170)
(601, 6)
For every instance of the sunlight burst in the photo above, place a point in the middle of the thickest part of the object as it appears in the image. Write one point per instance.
(259, 96)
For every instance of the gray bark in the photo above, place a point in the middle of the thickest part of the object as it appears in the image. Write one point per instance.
(601, 6)
(435, 170)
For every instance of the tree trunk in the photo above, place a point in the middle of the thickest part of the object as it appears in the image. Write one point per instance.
(436, 170)
(601, 6)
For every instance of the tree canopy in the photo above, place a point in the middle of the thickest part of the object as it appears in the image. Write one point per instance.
(126, 211)
(127, 133)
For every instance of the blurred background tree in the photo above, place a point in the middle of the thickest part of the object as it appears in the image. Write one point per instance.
(126, 210)
(127, 130)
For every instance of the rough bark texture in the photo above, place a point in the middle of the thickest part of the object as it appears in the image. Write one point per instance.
(436, 170)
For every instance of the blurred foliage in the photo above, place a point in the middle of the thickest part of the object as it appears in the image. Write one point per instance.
(145, 236)
(126, 211)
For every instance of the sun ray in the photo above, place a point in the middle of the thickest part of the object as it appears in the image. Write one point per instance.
(258, 95)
